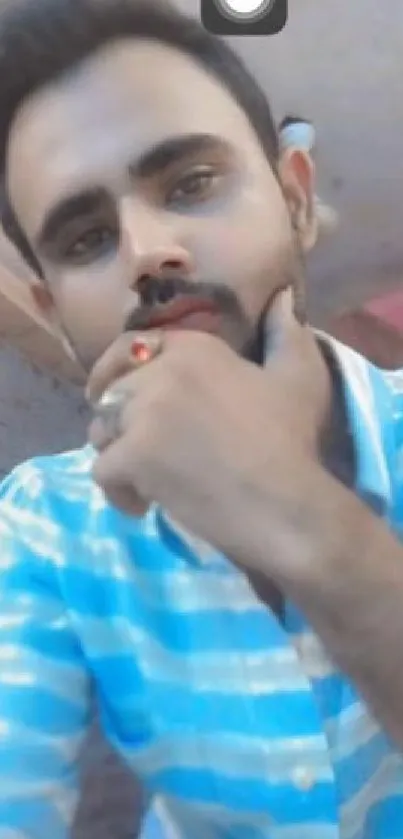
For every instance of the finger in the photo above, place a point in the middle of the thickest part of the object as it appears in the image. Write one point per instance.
(110, 472)
(282, 326)
(102, 432)
(130, 352)
(115, 404)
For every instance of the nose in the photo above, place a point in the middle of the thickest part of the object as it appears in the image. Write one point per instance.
(154, 248)
(163, 261)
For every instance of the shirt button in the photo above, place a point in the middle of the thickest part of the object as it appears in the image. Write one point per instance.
(303, 778)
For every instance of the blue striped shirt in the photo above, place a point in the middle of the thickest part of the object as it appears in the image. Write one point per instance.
(238, 725)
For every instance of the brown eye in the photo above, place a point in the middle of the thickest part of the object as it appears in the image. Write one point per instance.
(93, 244)
(196, 186)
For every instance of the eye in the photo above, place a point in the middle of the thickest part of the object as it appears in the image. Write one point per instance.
(197, 185)
(95, 243)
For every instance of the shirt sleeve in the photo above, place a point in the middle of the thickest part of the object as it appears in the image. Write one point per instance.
(44, 689)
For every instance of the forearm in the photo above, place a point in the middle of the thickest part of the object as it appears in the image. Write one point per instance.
(344, 569)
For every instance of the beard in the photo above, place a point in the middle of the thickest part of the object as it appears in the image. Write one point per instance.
(248, 339)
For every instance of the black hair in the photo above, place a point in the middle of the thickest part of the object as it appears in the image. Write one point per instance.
(40, 40)
(292, 120)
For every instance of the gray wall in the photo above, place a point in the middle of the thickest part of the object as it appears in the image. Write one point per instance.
(40, 415)
(37, 414)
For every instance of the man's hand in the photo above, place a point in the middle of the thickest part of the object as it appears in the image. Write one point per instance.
(203, 431)
(230, 451)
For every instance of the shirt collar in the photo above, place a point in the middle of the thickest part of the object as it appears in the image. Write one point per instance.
(366, 399)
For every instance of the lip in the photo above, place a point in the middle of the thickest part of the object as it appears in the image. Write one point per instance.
(182, 313)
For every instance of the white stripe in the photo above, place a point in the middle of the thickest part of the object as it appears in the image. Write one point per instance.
(45, 788)
(202, 550)
(357, 377)
(5, 728)
(238, 757)
(169, 828)
(27, 604)
(387, 781)
(306, 831)
(176, 590)
(67, 747)
(394, 378)
(226, 671)
(66, 805)
(180, 812)
(23, 667)
(14, 621)
(40, 536)
(25, 519)
(350, 731)
(315, 662)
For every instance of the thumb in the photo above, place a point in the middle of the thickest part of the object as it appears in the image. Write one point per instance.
(282, 327)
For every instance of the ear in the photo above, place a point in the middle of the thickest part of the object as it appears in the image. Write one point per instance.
(297, 175)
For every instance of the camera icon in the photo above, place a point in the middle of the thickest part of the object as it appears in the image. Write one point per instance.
(244, 17)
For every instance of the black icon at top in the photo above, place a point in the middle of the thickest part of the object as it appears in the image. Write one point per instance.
(244, 17)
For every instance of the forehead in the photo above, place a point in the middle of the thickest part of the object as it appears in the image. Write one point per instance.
(126, 98)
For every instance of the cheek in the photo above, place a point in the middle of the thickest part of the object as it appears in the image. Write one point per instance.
(91, 306)
(247, 249)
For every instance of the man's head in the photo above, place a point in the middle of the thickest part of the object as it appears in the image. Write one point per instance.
(140, 165)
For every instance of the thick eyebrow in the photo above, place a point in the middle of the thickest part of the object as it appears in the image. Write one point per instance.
(151, 163)
(65, 211)
(171, 151)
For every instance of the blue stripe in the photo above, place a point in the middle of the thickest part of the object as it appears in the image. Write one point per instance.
(356, 771)
(216, 630)
(25, 761)
(334, 695)
(192, 709)
(32, 817)
(248, 794)
(35, 708)
(52, 643)
(385, 820)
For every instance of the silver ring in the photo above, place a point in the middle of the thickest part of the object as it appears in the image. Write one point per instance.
(109, 411)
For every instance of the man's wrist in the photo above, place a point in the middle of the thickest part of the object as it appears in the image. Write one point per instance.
(299, 536)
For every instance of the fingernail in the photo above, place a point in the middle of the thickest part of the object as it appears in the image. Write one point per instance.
(144, 349)
(140, 351)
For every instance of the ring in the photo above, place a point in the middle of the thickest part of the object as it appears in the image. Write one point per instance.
(109, 411)
(111, 404)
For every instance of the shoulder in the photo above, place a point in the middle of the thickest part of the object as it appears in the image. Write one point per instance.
(374, 404)
(51, 507)
(41, 478)
(48, 492)
(381, 396)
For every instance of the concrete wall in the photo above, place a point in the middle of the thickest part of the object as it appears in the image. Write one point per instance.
(38, 414)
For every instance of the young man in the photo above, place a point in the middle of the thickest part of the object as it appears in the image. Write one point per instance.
(221, 569)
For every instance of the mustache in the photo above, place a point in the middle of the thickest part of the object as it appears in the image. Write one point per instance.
(155, 293)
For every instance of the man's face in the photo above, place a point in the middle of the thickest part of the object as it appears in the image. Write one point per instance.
(145, 194)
